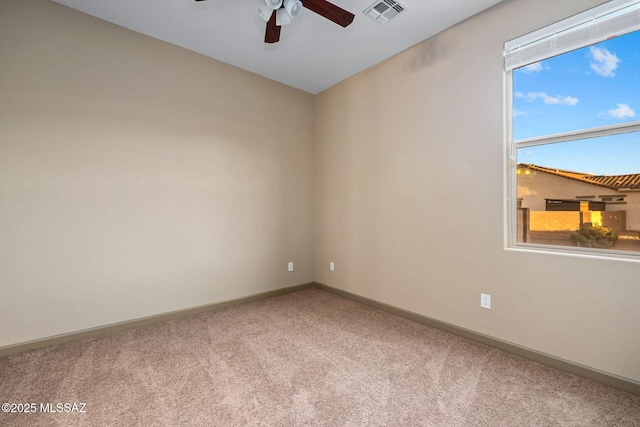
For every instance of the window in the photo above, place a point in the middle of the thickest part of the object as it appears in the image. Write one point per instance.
(574, 124)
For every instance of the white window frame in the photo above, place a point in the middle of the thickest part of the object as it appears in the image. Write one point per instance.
(612, 19)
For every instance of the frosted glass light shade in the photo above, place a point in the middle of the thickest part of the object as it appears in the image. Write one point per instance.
(282, 17)
(273, 4)
(293, 7)
(264, 11)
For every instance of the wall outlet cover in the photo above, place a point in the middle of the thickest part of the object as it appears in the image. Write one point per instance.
(485, 300)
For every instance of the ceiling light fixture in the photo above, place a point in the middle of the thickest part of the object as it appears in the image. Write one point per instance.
(266, 8)
(274, 4)
(285, 11)
(293, 7)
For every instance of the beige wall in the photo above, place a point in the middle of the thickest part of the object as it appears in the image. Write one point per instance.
(633, 205)
(137, 178)
(424, 130)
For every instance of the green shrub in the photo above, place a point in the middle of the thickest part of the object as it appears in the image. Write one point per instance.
(594, 236)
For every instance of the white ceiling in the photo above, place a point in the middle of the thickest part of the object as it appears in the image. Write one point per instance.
(313, 53)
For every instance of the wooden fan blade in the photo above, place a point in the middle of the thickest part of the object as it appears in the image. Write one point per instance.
(272, 34)
(330, 11)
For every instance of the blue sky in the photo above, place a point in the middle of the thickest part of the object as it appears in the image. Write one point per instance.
(594, 86)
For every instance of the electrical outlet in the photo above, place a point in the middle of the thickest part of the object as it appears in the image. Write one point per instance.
(485, 301)
(290, 266)
(332, 266)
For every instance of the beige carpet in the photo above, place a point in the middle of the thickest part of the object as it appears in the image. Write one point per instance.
(307, 358)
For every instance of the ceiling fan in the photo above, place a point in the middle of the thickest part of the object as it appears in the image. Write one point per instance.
(280, 12)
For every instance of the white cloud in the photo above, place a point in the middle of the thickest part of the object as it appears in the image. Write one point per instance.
(548, 99)
(517, 113)
(604, 62)
(536, 67)
(622, 111)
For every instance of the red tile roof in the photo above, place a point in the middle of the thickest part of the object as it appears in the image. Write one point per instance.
(618, 181)
(614, 182)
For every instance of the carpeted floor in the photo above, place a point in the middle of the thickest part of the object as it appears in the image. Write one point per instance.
(306, 358)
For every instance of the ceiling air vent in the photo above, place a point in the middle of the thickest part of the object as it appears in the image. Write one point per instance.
(384, 10)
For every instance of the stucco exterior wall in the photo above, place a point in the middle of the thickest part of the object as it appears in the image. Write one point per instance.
(536, 186)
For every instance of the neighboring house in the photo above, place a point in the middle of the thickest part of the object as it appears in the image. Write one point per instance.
(539, 186)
